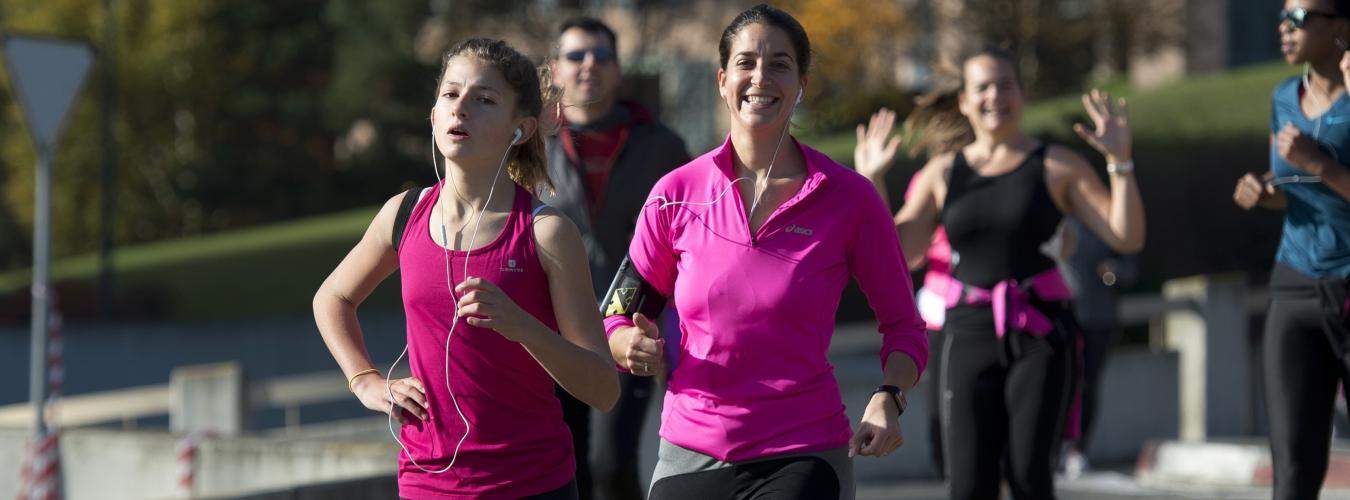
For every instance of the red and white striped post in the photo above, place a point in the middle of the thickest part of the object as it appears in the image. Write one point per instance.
(186, 452)
(40, 478)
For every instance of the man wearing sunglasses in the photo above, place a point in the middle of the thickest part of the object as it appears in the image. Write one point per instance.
(604, 160)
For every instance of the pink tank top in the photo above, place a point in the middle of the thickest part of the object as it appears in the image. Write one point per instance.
(518, 445)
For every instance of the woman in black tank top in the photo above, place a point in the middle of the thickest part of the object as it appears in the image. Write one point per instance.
(996, 224)
(1007, 383)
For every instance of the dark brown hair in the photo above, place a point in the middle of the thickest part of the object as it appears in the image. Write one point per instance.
(589, 25)
(768, 16)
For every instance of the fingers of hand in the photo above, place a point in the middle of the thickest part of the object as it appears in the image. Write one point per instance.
(876, 124)
(1086, 134)
(1091, 106)
(407, 397)
(891, 146)
(644, 355)
(400, 396)
(859, 439)
(1097, 102)
(467, 283)
(872, 441)
(882, 443)
(1249, 190)
(1289, 132)
(1285, 142)
(641, 364)
(416, 384)
(646, 326)
(477, 309)
(1245, 200)
(477, 283)
(1251, 183)
(475, 296)
(884, 121)
(645, 350)
(1096, 111)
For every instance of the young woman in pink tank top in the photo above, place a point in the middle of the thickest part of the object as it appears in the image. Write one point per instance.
(497, 294)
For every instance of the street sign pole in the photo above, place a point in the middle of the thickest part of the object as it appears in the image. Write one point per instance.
(46, 74)
(42, 231)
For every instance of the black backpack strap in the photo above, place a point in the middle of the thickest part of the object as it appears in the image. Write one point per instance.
(410, 199)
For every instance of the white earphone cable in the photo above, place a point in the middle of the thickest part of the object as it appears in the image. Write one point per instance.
(759, 190)
(450, 288)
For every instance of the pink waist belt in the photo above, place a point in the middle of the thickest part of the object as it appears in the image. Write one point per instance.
(1011, 300)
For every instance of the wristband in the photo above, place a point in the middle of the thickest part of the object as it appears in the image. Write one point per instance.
(895, 393)
(1121, 168)
(352, 380)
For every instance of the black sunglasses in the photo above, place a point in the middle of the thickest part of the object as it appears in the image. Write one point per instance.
(601, 54)
(1297, 16)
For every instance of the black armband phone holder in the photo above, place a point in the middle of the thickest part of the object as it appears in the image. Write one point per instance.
(630, 293)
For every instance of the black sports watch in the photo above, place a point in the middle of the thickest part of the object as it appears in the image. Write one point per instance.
(897, 396)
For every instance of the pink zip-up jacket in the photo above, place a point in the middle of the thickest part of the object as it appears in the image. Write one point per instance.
(757, 311)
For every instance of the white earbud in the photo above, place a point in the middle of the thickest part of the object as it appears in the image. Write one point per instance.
(519, 133)
(800, 91)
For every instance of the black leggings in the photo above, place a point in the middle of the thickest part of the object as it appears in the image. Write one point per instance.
(1303, 365)
(1005, 404)
(802, 478)
(614, 475)
(682, 473)
(934, 400)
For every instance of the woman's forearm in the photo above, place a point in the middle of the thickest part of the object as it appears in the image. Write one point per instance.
(587, 375)
(341, 332)
(900, 371)
(1127, 213)
(1335, 176)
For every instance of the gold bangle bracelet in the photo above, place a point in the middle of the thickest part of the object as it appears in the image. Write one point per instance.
(352, 380)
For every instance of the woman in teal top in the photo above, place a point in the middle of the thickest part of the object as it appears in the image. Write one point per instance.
(1307, 347)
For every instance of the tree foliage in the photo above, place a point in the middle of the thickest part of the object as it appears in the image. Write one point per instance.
(226, 114)
(855, 50)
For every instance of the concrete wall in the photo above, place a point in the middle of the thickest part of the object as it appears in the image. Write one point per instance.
(382, 486)
(113, 465)
(1140, 403)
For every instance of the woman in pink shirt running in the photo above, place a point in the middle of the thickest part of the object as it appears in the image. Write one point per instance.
(755, 241)
(497, 294)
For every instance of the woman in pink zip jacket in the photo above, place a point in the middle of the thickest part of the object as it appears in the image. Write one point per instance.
(1008, 358)
(755, 241)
